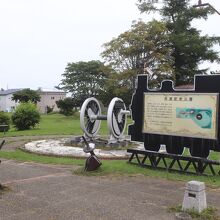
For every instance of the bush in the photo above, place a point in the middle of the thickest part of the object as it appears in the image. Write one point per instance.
(26, 116)
(66, 106)
(49, 109)
(4, 120)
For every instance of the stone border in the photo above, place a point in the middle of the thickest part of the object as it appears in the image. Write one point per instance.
(53, 147)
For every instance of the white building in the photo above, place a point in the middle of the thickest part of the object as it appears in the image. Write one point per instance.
(48, 98)
(6, 104)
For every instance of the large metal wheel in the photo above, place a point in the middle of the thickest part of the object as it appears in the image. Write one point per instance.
(116, 117)
(89, 110)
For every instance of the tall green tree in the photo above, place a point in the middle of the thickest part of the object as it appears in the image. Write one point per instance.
(144, 45)
(66, 106)
(189, 48)
(26, 95)
(84, 80)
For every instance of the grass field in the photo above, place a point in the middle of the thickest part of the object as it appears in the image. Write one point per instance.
(109, 167)
(63, 125)
(54, 124)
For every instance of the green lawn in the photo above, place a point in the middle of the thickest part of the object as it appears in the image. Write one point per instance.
(54, 124)
(109, 167)
(60, 125)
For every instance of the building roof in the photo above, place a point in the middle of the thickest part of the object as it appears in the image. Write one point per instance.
(187, 86)
(9, 91)
(51, 92)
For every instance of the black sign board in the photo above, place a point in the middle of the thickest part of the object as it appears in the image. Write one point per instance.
(177, 118)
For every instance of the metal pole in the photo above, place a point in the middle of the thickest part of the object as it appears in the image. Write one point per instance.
(200, 4)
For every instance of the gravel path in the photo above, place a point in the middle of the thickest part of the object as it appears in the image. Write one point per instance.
(11, 143)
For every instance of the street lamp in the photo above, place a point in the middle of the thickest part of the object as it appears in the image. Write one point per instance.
(200, 4)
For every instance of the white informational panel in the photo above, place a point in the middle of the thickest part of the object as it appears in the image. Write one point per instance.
(181, 114)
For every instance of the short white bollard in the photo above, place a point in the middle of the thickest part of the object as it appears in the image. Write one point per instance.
(194, 196)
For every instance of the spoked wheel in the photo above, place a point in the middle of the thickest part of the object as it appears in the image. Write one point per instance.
(116, 117)
(174, 145)
(89, 109)
(152, 142)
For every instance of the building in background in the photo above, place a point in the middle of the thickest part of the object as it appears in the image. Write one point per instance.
(48, 99)
(6, 104)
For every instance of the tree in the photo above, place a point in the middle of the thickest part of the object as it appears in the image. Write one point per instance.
(84, 80)
(66, 106)
(189, 48)
(49, 109)
(4, 120)
(117, 85)
(144, 45)
(26, 95)
(25, 116)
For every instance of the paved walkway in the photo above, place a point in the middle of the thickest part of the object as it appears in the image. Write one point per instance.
(49, 192)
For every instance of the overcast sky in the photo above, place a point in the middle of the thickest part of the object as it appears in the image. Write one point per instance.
(39, 37)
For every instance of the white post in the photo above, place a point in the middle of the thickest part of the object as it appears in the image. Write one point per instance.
(194, 196)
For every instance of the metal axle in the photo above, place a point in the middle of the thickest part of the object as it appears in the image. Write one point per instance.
(98, 117)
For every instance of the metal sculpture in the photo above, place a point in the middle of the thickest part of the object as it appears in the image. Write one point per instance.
(116, 118)
(92, 162)
(91, 117)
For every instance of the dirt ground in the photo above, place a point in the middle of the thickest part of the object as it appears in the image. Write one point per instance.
(53, 192)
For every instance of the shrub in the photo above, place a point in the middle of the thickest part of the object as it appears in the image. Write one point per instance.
(66, 106)
(49, 109)
(26, 116)
(4, 120)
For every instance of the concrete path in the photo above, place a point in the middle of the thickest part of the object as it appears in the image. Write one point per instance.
(49, 192)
